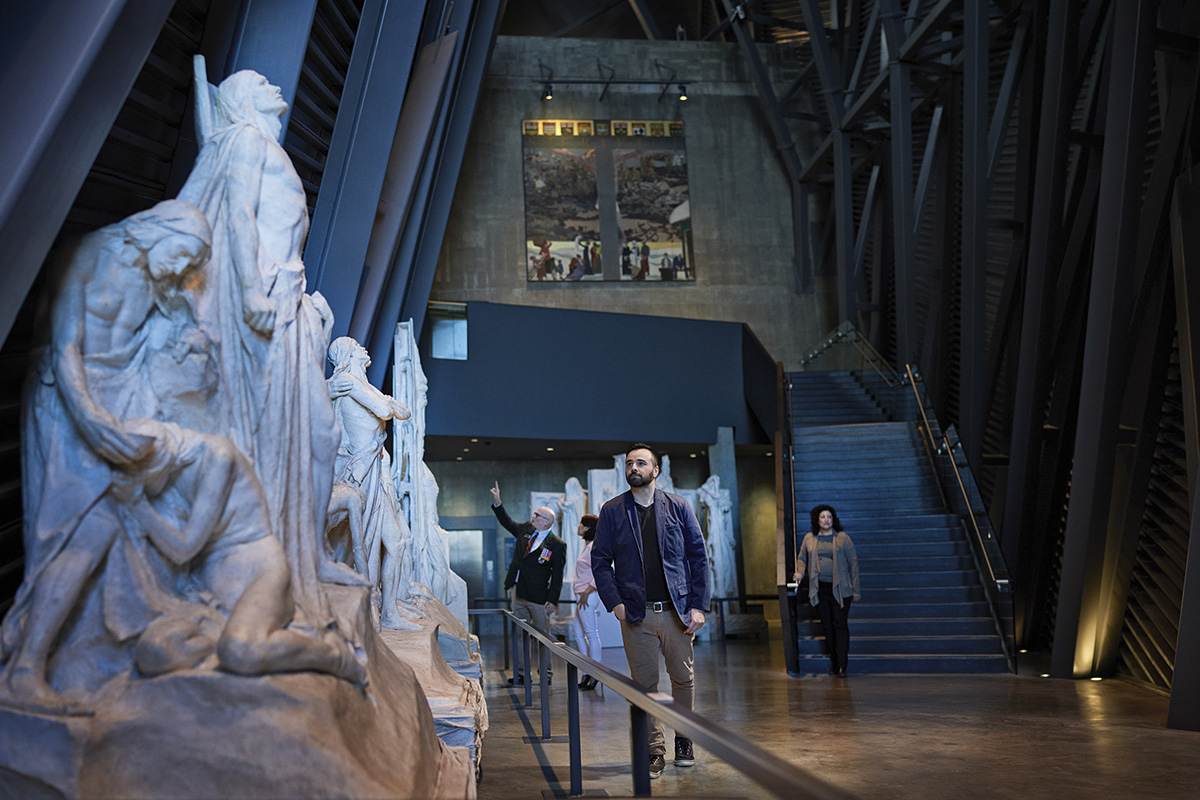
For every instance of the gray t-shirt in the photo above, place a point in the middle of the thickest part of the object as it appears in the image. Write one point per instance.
(825, 557)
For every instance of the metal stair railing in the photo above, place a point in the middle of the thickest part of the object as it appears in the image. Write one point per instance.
(847, 334)
(961, 494)
(779, 777)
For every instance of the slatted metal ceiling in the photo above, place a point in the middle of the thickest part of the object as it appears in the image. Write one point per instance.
(322, 79)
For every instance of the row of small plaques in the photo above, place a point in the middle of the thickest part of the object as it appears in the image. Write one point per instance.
(602, 127)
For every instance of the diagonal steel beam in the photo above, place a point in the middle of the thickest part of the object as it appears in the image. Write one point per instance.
(1085, 547)
(1184, 709)
(645, 19)
(901, 181)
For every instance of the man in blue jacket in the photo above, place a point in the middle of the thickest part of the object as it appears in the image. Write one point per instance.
(651, 571)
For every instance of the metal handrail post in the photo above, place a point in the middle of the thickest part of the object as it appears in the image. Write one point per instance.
(544, 687)
(527, 677)
(507, 650)
(639, 756)
(510, 647)
(573, 729)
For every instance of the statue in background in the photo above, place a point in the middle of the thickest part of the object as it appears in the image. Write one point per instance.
(362, 411)
(416, 487)
(271, 335)
(572, 506)
(721, 556)
(115, 296)
(664, 480)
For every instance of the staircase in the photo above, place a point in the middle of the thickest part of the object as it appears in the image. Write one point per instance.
(923, 608)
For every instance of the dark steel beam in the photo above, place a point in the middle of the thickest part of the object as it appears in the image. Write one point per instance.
(1006, 98)
(928, 161)
(58, 111)
(973, 278)
(1184, 708)
(380, 63)
(831, 82)
(576, 24)
(868, 39)
(784, 143)
(903, 212)
(484, 25)
(645, 19)
(1080, 602)
(1033, 370)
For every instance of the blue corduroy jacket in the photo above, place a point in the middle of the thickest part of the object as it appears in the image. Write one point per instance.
(617, 556)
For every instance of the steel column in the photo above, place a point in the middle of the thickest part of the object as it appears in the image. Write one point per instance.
(380, 64)
(1184, 708)
(79, 61)
(972, 407)
(903, 212)
(1033, 368)
(1078, 620)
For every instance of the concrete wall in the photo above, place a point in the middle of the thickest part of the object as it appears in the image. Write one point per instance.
(740, 202)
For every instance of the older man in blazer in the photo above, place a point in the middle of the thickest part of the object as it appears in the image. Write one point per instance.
(536, 569)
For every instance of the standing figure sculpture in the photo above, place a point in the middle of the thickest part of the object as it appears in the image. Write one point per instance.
(109, 291)
(362, 411)
(722, 557)
(271, 335)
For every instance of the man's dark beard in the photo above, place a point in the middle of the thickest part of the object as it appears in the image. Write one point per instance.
(637, 481)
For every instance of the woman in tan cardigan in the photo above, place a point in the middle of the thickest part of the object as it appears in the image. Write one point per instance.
(827, 556)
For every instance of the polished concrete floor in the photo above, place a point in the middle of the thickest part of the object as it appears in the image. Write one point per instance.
(876, 736)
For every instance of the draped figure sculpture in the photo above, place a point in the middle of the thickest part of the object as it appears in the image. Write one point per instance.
(111, 291)
(721, 556)
(271, 335)
(572, 506)
(363, 462)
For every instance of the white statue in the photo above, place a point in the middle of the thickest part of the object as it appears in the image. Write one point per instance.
(199, 503)
(110, 291)
(572, 507)
(664, 480)
(362, 411)
(178, 451)
(271, 335)
(720, 545)
(417, 488)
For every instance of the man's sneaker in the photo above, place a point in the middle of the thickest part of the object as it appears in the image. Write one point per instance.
(657, 765)
(683, 752)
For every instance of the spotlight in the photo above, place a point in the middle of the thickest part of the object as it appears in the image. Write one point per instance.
(549, 93)
(682, 92)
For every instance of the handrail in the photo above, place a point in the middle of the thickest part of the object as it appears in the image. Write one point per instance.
(847, 331)
(945, 443)
(781, 778)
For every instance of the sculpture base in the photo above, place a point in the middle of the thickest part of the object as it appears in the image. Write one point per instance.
(204, 733)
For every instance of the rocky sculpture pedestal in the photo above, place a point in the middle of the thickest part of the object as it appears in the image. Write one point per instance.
(208, 733)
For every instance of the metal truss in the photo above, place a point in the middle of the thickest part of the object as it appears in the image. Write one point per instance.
(991, 185)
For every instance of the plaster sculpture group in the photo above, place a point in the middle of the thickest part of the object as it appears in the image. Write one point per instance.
(185, 626)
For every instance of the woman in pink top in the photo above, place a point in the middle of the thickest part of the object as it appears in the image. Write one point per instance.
(587, 604)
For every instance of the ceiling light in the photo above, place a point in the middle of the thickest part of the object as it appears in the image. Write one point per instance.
(682, 92)
(549, 93)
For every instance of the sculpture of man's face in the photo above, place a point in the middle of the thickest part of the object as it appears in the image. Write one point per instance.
(173, 255)
(247, 96)
(268, 99)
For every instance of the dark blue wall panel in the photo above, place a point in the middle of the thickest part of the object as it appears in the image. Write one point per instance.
(559, 374)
